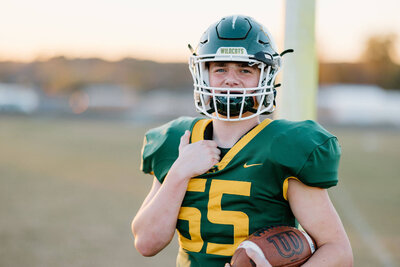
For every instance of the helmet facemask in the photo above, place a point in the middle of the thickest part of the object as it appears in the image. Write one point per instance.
(233, 104)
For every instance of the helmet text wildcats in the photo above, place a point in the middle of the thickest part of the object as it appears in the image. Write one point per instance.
(232, 51)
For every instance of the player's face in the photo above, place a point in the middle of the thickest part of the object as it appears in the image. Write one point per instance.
(233, 75)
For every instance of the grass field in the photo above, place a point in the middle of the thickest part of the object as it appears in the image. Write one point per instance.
(70, 188)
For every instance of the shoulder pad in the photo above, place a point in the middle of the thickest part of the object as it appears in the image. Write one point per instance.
(308, 151)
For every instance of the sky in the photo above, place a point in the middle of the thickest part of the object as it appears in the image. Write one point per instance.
(161, 30)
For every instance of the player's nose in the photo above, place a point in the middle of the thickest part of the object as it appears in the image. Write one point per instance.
(231, 79)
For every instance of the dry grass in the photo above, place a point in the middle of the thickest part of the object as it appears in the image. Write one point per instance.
(69, 189)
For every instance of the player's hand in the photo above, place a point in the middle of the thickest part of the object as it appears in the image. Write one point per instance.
(257, 258)
(196, 158)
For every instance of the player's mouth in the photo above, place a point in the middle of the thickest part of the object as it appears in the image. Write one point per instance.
(232, 92)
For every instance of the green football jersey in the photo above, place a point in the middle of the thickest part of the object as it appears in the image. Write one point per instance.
(247, 189)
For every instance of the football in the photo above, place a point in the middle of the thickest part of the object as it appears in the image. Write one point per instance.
(280, 245)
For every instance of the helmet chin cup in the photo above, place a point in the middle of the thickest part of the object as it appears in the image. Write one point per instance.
(234, 105)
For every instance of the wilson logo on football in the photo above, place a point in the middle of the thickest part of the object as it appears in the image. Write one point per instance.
(287, 243)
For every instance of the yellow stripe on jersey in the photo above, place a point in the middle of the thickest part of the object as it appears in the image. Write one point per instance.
(286, 185)
(182, 259)
(198, 135)
(198, 130)
(242, 143)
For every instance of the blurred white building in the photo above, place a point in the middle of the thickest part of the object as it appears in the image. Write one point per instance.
(356, 104)
(164, 104)
(109, 96)
(18, 98)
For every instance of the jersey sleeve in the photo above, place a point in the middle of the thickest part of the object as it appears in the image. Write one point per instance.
(160, 147)
(321, 167)
(308, 152)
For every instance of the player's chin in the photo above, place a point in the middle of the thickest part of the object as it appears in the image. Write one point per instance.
(234, 92)
(244, 115)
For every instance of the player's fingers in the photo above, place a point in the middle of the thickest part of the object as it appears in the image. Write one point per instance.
(259, 260)
(227, 265)
(184, 140)
(216, 151)
(210, 143)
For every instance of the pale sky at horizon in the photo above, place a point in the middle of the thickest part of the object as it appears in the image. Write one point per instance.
(161, 30)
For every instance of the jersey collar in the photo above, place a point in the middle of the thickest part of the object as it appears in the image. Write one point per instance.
(198, 135)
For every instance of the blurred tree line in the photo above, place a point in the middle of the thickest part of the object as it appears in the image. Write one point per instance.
(64, 75)
(376, 66)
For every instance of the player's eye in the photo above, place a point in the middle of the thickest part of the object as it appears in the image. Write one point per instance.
(247, 70)
(219, 70)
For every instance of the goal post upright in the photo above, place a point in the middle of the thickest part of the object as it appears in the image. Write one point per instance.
(297, 97)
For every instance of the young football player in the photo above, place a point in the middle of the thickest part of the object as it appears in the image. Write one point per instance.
(221, 178)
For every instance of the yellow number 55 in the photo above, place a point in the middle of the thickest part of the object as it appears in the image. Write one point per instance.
(216, 215)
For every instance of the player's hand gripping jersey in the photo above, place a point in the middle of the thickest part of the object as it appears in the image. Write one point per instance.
(247, 189)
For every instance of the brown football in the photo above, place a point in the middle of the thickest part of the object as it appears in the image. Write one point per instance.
(281, 246)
